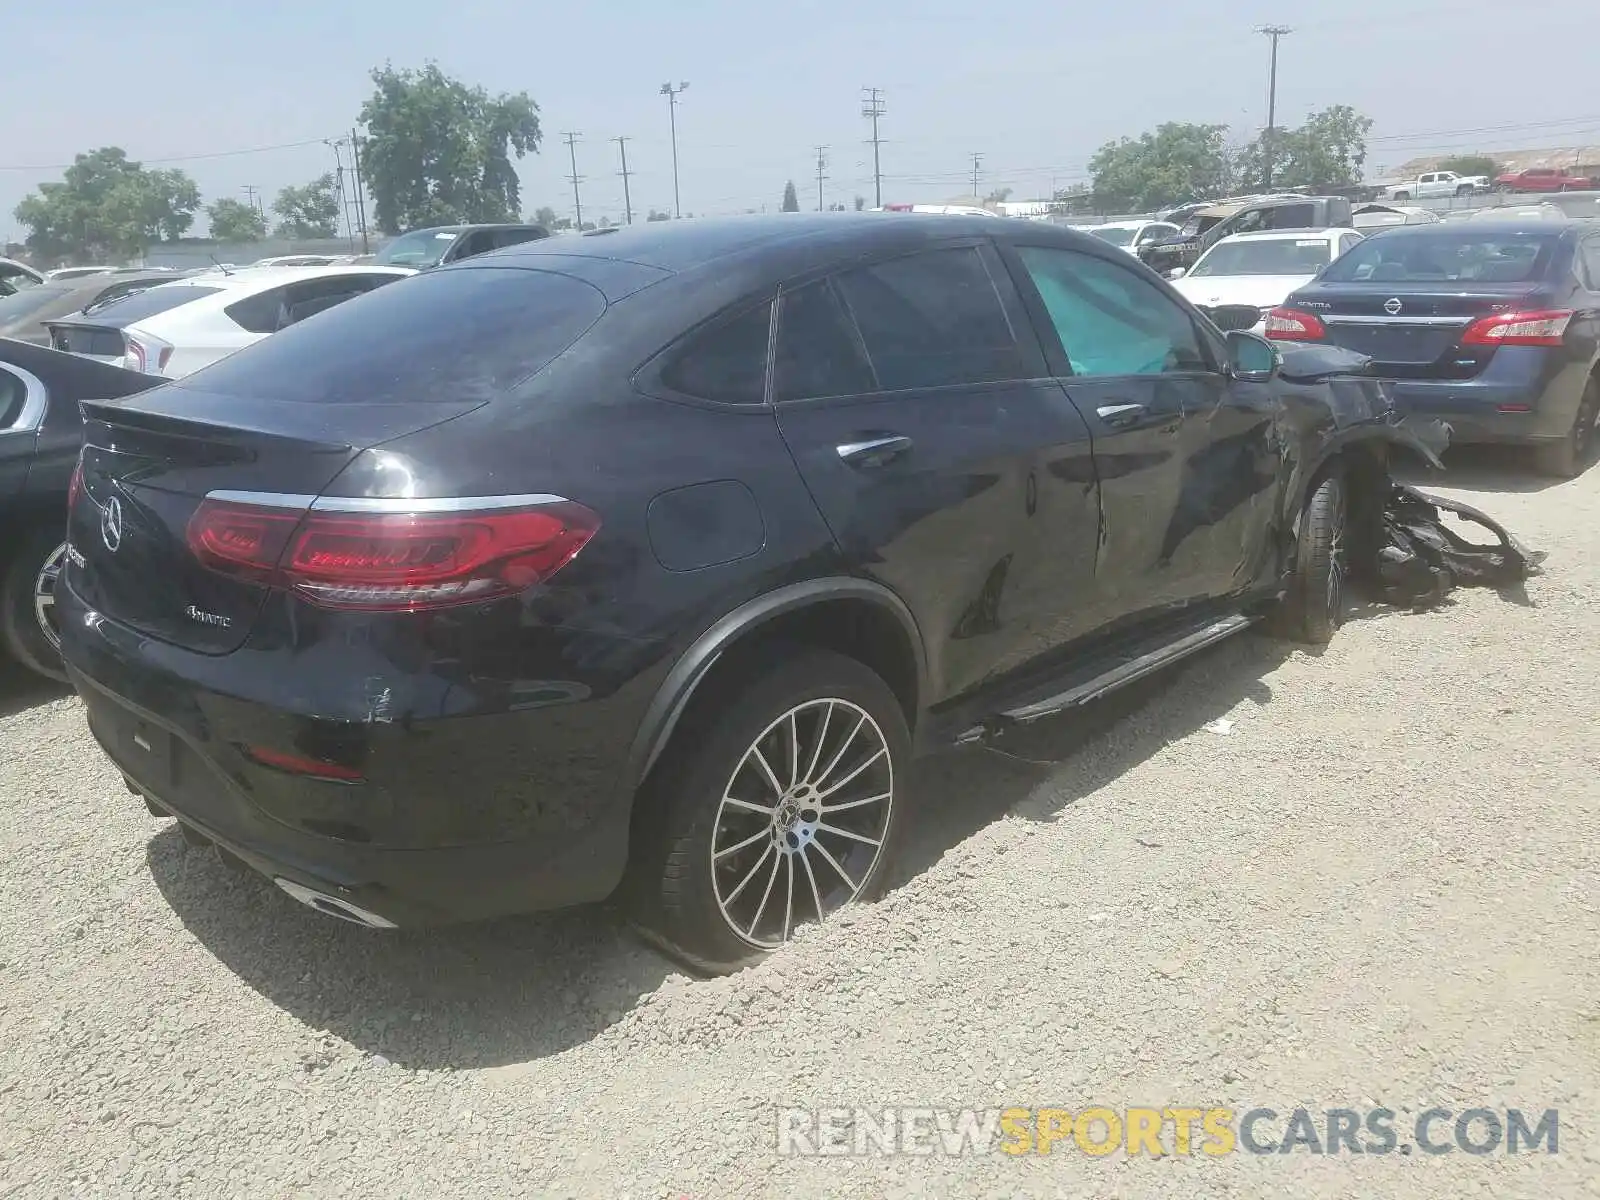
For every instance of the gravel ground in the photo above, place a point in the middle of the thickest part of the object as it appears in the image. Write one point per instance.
(1379, 888)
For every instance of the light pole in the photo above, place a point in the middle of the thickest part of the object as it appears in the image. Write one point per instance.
(672, 93)
(1267, 148)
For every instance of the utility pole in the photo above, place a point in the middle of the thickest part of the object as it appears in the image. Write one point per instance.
(1268, 143)
(872, 106)
(822, 162)
(627, 200)
(575, 179)
(252, 197)
(672, 94)
(977, 160)
(361, 204)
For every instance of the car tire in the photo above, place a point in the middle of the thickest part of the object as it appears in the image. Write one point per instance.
(719, 885)
(1315, 605)
(30, 640)
(1567, 458)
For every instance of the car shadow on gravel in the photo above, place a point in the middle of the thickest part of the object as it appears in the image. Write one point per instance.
(472, 996)
(20, 689)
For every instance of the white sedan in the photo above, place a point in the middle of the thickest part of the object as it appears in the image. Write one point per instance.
(176, 328)
(1131, 235)
(1261, 269)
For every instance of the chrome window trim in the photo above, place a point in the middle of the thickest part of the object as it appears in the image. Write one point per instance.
(35, 401)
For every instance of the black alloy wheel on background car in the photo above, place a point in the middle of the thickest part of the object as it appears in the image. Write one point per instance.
(28, 604)
(1567, 458)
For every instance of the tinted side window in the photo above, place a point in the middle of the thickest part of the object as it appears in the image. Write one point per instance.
(727, 362)
(1590, 258)
(261, 313)
(934, 318)
(474, 244)
(1110, 320)
(1291, 216)
(513, 237)
(818, 354)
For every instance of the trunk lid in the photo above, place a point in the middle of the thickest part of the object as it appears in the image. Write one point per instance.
(149, 461)
(1410, 331)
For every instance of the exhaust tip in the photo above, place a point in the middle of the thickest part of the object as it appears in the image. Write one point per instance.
(332, 906)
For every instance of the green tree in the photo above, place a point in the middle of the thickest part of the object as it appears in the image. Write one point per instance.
(1174, 163)
(439, 152)
(791, 199)
(311, 211)
(545, 216)
(1327, 151)
(1472, 164)
(861, 203)
(235, 221)
(107, 206)
(998, 196)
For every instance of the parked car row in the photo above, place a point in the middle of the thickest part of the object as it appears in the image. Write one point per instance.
(642, 563)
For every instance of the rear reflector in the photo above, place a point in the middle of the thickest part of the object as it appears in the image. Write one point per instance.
(298, 764)
(1293, 325)
(394, 562)
(1544, 328)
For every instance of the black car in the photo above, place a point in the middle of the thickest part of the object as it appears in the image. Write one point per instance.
(646, 560)
(1206, 227)
(1491, 325)
(424, 248)
(40, 434)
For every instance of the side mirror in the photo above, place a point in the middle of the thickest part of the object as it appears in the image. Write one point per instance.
(1251, 359)
(1177, 272)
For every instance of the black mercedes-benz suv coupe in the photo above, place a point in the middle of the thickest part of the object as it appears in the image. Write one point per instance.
(640, 562)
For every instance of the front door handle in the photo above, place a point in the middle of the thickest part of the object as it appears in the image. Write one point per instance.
(873, 452)
(1120, 414)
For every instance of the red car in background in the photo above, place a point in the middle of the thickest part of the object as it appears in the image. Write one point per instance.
(1545, 179)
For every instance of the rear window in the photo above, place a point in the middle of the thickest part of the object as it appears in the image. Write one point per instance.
(1122, 236)
(1465, 257)
(124, 312)
(447, 336)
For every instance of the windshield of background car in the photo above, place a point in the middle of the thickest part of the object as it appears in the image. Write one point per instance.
(1117, 237)
(421, 249)
(1487, 257)
(1278, 256)
(460, 334)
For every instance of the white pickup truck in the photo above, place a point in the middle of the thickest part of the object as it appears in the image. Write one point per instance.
(1438, 183)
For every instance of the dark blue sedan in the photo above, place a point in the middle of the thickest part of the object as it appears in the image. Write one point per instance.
(1493, 326)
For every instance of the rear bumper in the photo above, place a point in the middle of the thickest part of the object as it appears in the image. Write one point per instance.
(1523, 397)
(484, 815)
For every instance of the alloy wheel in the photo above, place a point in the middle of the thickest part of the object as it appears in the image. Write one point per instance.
(802, 821)
(44, 595)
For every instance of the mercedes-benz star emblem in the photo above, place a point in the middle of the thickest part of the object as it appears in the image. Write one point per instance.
(1392, 305)
(111, 524)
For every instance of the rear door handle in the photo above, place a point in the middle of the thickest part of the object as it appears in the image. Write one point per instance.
(1120, 414)
(873, 452)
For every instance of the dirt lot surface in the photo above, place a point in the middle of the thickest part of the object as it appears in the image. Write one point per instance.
(1380, 888)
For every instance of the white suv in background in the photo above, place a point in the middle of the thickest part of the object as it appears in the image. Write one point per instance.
(1130, 235)
(179, 327)
(1261, 269)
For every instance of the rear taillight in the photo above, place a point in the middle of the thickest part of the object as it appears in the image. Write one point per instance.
(141, 356)
(1293, 325)
(1547, 327)
(299, 764)
(397, 562)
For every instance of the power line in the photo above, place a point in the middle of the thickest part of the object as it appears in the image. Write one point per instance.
(822, 162)
(179, 158)
(627, 200)
(575, 178)
(873, 107)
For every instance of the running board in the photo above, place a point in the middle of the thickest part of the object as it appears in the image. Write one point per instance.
(1116, 677)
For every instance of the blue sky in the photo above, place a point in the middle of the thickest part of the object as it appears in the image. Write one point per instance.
(1034, 87)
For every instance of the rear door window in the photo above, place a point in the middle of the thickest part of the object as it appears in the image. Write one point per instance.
(726, 362)
(818, 352)
(515, 237)
(445, 336)
(938, 318)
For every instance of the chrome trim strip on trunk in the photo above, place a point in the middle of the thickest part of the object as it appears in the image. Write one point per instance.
(1438, 322)
(372, 504)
